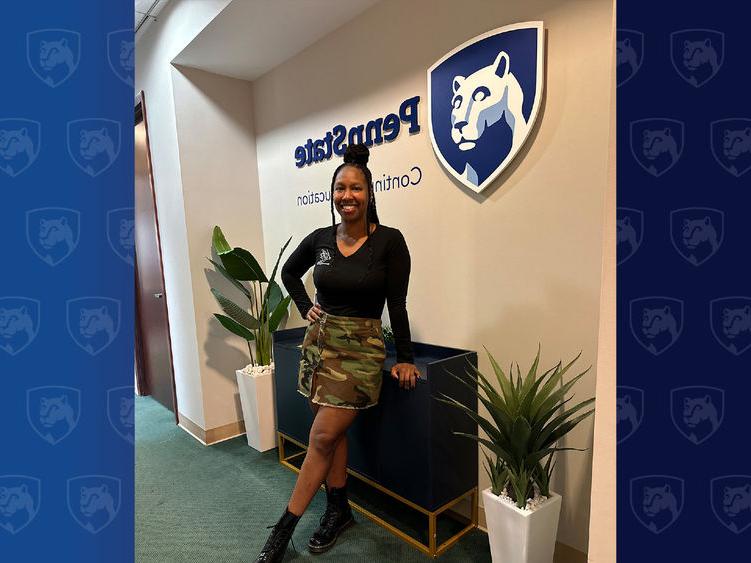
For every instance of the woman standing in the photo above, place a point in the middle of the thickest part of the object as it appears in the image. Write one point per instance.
(359, 266)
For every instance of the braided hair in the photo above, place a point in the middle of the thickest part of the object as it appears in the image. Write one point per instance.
(357, 156)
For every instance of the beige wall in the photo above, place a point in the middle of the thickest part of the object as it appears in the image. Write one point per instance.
(520, 263)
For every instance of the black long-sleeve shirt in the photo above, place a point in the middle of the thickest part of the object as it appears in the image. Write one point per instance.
(341, 288)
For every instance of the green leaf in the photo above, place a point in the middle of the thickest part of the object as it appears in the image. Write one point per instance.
(532, 373)
(565, 428)
(520, 432)
(503, 381)
(246, 262)
(556, 422)
(235, 327)
(219, 242)
(222, 270)
(495, 448)
(272, 297)
(485, 424)
(278, 314)
(278, 258)
(237, 313)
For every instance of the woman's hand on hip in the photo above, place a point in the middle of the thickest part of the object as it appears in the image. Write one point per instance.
(314, 313)
(407, 375)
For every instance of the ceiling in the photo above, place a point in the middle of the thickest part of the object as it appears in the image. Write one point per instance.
(146, 13)
(250, 37)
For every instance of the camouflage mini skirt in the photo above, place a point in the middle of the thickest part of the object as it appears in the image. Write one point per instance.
(342, 362)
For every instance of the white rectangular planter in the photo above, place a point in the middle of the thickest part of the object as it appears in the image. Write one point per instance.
(259, 409)
(521, 536)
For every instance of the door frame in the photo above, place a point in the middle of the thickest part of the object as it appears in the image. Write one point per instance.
(140, 106)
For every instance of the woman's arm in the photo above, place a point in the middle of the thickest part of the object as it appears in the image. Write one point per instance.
(293, 270)
(398, 265)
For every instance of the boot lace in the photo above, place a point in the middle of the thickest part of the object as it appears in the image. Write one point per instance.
(279, 536)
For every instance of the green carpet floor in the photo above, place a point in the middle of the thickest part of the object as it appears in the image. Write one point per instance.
(212, 504)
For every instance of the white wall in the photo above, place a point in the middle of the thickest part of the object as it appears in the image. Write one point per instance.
(520, 263)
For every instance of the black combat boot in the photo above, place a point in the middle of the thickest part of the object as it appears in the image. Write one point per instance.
(276, 545)
(336, 519)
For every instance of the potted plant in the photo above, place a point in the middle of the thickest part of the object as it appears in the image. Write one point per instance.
(267, 308)
(527, 418)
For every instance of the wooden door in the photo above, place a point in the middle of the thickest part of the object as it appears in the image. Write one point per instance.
(154, 370)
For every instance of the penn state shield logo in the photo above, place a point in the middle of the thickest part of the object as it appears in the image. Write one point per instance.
(657, 144)
(121, 233)
(730, 319)
(94, 144)
(94, 501)
(697, 233)
(697, 412)
(656, 322)
(20, 496)
(730, 496)
(20, 140)
(53, 54)
(121, 411)
(53, 412)
(121, 54)
(93, 322)
(697, 54)
(53, 233)
(630, 225)
(19, 323)
(730, 140)
(656, 501)
(630, 410)
(484, 97)
(629, 51)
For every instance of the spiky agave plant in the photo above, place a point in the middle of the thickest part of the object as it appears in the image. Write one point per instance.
(267, 306)
(526, 420)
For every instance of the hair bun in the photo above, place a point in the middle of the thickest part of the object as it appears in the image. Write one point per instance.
(356, 154)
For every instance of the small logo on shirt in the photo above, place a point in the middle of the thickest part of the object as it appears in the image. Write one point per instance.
(324, 258)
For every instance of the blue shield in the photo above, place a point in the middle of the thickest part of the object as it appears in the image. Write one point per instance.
(94, 501)
(697, 233)
(730, 140)
(697, 54)
(730, 496)
(121, 233)
(53, 233)
(121, 54)
(656, 322)
(630, 225)
(19, 323)
(53, 54)
(656, 501)
(730, 320)
(484, 97)
(93, 322)
(20, 496)
(20, 140)
(94, 144)
(121, 411)
(629, 50)
(657, 144)
(697, 411)
(53, 412)
(630, 410)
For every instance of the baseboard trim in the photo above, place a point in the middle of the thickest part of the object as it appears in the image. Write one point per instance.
(212, 435)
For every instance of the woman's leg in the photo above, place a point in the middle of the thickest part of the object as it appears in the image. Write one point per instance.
(337, 475)
(329, 425)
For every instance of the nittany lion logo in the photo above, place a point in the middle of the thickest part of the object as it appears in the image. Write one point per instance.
(697, 54)
(121, 54)
(656, 322)
(697, 412)
(657, 144)
(94, 144)
(697, 233)
(730, 319)
(93, 322)
(121, 231)
(730, 140)
(730, 496)
(484, 98)
(19, 323)
(94, 501)
(53, 233)
(656, 501)
(19, 144)
(629, 54)
(629, 410)
(121, 411)
(53, 54)
(630, 227)
(53, 412)
(19, 501)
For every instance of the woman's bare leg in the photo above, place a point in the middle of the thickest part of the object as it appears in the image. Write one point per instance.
(329, 425)
(337, 475)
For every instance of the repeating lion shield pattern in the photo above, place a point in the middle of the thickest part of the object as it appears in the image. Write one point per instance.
(657, 501)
